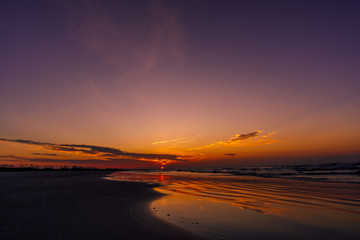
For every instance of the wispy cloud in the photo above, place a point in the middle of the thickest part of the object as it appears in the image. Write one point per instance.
(245, 139)
(269, 134)
(178, 140)
(169, 141)
(244, 136)
(133, 38)
(99, 151)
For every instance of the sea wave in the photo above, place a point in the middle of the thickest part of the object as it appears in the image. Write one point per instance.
(333, 172)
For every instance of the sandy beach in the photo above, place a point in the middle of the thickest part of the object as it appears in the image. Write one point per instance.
(225, 206)
(79, 205)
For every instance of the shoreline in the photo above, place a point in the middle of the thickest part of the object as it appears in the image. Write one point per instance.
(79, 205)
(249, 207)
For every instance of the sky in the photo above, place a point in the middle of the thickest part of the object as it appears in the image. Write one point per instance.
(139, 84)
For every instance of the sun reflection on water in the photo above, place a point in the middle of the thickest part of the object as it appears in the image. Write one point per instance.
(236, 205)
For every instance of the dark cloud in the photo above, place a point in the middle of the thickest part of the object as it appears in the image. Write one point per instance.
(12, 157)
(108, 163)
(95, 150)
(25, 141)
(46, 154)
(230, 154)
(69, 161)
(240, 137)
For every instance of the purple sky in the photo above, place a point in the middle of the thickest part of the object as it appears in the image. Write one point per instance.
(182, 78)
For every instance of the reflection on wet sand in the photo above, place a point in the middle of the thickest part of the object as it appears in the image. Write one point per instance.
(217, 202)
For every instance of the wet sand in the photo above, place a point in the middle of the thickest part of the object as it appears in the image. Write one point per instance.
(79, 205)
(219, 206)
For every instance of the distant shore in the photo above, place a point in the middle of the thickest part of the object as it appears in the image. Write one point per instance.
(79, 205)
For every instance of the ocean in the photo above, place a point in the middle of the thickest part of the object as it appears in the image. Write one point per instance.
(319, 201)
